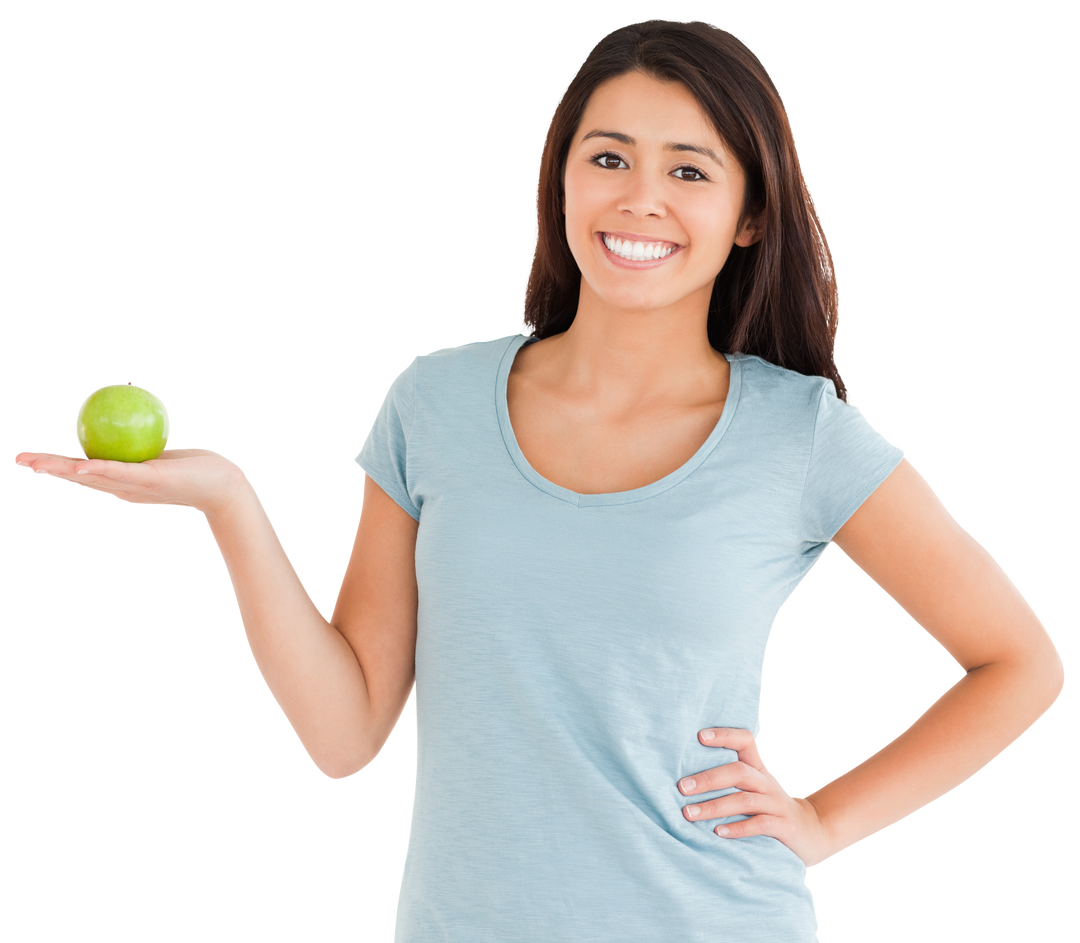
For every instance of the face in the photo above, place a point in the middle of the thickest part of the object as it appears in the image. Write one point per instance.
(653, 197)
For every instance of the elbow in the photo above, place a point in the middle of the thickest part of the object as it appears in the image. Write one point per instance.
(340, 767)
(338, 776)
(1061, 679)
(1033, 681)
(1057, 679)
(1047, 680)
(341, 763)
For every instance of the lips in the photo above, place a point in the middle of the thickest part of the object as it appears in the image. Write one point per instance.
(638, 250)
(628, 252)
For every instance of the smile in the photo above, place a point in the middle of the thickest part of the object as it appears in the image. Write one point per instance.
(631, 254)
(634, 251)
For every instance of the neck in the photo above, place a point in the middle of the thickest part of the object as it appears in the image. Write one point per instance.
(625, 355)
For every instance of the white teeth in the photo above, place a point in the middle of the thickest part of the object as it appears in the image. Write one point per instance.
(637, 251)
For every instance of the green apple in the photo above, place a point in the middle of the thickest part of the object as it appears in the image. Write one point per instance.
(123, 424)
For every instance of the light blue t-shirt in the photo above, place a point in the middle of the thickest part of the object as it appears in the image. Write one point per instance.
(570, 647)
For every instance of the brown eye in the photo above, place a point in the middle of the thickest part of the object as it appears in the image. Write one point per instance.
(610, 162)
(688, 173)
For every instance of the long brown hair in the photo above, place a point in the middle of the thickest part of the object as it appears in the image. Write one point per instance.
(776, 298)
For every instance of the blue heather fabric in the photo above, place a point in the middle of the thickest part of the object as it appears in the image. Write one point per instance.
(570, 647)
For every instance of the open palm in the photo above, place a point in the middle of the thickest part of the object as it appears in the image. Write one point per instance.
(192, 477)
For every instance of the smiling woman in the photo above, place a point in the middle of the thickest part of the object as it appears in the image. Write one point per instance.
(772, 292)
(575, 541)
(604, 548)
(693, 212)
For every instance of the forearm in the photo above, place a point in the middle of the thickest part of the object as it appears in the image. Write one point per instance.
(967, 727)
(309, 666)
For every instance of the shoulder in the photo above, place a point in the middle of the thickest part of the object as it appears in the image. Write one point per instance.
(452, 384)
(469, 352)
(780, 380)
(454, 365)
(766, 389)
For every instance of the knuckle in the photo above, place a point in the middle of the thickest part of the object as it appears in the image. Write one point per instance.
(752, 826)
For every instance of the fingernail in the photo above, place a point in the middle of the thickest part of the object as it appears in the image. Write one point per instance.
(708, 735)
(722, 830)
(693, 810)
(24, 464)
(82, 471)
(40, 471)
(688, 785)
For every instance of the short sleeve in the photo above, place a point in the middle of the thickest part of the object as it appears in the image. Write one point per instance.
(385, 455)
(848, 460)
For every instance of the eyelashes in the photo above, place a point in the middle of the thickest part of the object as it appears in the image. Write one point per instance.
(609, 160)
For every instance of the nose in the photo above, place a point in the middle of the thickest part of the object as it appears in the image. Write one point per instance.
(643, 195)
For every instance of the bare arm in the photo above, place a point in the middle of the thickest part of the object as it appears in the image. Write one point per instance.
(341, 683)
(908, 543)
(376, 609)
(309, 670)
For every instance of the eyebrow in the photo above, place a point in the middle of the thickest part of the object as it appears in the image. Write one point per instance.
(626, 139)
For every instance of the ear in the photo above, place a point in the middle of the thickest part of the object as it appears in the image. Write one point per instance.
(751, 230)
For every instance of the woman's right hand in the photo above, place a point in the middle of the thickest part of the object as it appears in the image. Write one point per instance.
(192, 477)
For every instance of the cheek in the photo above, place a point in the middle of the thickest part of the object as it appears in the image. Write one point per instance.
(712, 226)
(583, 206)
(580, 199)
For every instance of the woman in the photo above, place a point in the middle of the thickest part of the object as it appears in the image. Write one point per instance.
(578, 541)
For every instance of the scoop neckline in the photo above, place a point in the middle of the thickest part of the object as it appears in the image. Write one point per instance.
(612, 497)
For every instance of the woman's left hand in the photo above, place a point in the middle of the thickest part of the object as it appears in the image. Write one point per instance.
(772, 811)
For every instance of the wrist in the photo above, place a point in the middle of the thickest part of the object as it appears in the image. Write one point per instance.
(233, 489)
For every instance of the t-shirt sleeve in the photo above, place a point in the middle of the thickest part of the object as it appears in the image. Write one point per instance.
(385, 455)
(848, 460)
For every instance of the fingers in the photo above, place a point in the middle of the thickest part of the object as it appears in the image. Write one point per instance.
(743, 802)
(35, 459)
(127, 480)
(128, 472)
(66, 466)
(746, 773)
(193, 477)
(751, 783)
(739, 775)
(733, 738)
(758, 825)
(59, 466)
(759, 802)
